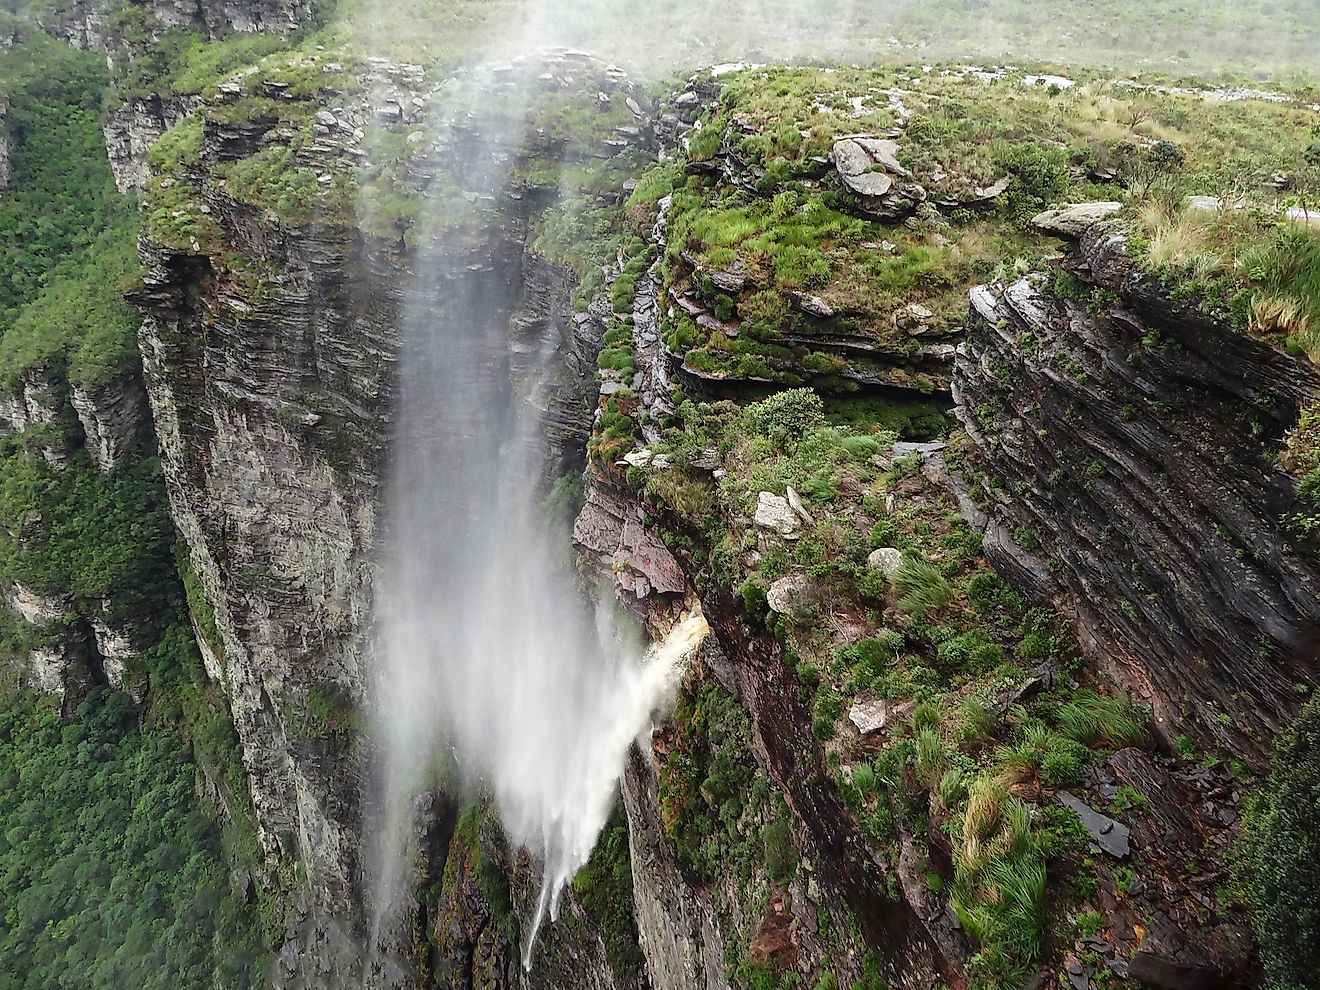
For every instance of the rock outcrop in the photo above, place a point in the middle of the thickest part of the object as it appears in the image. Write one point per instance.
(4, 146)
(1131, 442)
(114, 418)
(83, 23)
(41, 400)
(132, 128)
(61, 661)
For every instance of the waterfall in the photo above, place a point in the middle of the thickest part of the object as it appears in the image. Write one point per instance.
(491, 661)
(490, 656)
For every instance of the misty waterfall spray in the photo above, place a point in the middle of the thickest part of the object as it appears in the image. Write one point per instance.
(489, 652)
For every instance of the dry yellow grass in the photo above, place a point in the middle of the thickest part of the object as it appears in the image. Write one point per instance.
(1272, 314)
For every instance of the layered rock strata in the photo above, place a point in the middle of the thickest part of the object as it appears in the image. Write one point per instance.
(1129, 439)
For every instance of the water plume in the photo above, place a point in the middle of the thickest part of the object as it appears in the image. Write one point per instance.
(491, 660)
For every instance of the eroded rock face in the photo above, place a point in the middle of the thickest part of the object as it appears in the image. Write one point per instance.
(679, 932)
(62, 662)
(130, 131)
(113, 418)
(41, 399)
(4, 146)
(277, 504)
(1146, 472)
(81, 23)
(608, 529)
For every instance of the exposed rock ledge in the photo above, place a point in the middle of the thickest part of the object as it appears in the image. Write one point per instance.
(130, 131)
(1146, 475)
(112, 418)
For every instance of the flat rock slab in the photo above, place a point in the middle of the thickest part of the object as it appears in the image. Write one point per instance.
(1073, 221)
(1109, 835)
(870, 714)
(854, 162)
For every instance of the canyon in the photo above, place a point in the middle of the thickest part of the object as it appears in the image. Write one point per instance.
(984, 514)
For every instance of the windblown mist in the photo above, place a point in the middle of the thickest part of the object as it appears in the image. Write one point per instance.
(492, 660)
(1260, 38)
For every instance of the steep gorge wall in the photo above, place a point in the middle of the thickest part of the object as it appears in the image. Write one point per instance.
(270, 353)
(1129, 439)
(83, 23)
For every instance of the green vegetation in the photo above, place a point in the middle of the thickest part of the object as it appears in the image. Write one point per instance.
(943, 637)
(711, 800)
(1301, 457)
(152, 59)
(66, 251)
(113, 871)
(1282, 854)
(79, 533)
(605, 888)
(1260, 272)
(136, 893)
(785, 230)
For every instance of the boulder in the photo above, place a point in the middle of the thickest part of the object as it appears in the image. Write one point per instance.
(914, 319)
(795, 503)
(773, 513)
(884, 153)
(1072, 221)
(811, 305)
(871, 714)
(886, 560)
(788, 592)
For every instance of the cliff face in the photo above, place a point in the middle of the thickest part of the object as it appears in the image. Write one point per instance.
(130, 131)
(1130, 440)
(232, 388)
(270, 349)
(83, 23)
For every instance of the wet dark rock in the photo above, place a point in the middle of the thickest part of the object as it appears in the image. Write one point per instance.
(1108, 835)
(1146, 473)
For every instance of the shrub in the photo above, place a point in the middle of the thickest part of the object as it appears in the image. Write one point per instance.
(788, 415)
(863, 778)
(827, 712)
(1056, 759)
(754, 599)
(973, 652)
(780, 853)
(861, 448)
(976, 723)
(930, 758)
(924, 588)
(884, 534)
(1281, 842)
(999, 887)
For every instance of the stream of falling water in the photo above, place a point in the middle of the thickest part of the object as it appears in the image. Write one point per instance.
(490, 657)
(489, 652)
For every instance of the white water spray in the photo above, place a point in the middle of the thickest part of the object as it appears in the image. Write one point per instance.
(489, 653)
(490, 656)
